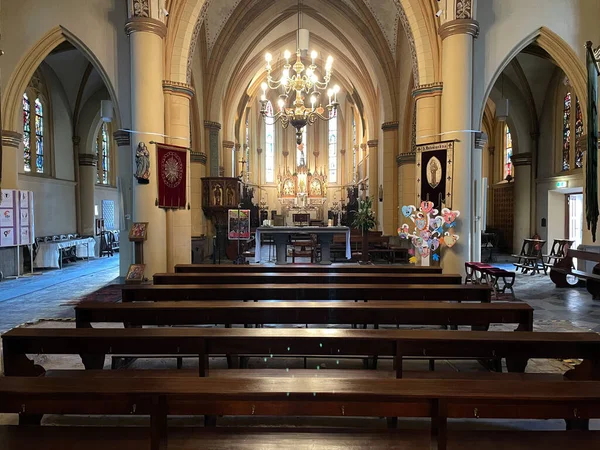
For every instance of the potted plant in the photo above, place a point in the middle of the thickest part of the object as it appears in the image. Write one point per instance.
(364, 220)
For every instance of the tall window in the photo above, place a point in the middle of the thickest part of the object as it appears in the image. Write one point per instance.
(578, 135)
(566, 148)
(508, 151)
(571, 120)
(26, 133)
(270, 146)
(247, 146)
(103, 154)
(305, 147)
(354, 146)
(333, 131)
(35, 124)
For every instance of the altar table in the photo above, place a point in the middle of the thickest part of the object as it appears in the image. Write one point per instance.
(281, 235)
(49, 253)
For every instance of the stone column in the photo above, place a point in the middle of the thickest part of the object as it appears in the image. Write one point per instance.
(407, 190)
(12, 158)
(147, 116)
(342, 171)
(212, 144)
(373, 173)
(197, 172)
(389, 182)
(535, 140)
(427, 110)
(522, 205)
(228, 160)
(87, 186)
(457, 98)
(480, 141)
(177, 127)
(125, 185)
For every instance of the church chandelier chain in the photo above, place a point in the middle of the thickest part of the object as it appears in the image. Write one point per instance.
(304, 82)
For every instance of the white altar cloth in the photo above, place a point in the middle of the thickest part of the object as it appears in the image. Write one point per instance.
(48, 253)
(302, 230)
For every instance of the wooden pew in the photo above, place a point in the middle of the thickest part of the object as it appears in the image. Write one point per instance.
(384, 313)
(307, 268)
(564, 267)
(395, 292)
(439, 400)
(94, 344)
(302, 277)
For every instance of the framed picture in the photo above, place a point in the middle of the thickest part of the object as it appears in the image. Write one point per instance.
(135, 274)
(238, 224)
(138, 232)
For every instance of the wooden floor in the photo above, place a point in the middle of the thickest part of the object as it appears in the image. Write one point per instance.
(136, 438)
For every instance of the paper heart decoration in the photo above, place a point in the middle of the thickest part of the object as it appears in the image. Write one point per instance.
(407, 211)
(425, 252)
(421, 223)
(450, 240)
(434, 244)
(450, 216)
(411, 252)
(425, 234)
(417, 242)
(438, 222)
(412, 260)
(427, 207)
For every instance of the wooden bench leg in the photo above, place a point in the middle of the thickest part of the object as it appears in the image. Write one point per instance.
(210, 421)
(30, 419)
(578, 424)
(158, 423)
(392, 423)
(439, 426)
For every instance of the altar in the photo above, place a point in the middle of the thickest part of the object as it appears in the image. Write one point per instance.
(281, 237)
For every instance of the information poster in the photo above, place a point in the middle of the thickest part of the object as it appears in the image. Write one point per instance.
(16, 218)
(239, 224)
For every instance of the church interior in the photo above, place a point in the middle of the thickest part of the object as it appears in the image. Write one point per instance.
(259, 224)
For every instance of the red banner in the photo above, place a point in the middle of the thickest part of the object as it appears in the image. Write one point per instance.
(172, 176)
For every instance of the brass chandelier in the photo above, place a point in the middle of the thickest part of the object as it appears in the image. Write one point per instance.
(305, 82)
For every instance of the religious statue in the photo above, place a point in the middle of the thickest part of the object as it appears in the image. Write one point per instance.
(433, 167)
(217, 195)
(302, 161)
(229, 196)
(142, 164)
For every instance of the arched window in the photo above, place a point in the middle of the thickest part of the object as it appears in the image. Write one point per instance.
(571, 131)
(103, 154)
(508, 151)
(299, 159)
(35, 127)
(566, 147)
(332, 143)
(26, 133)
(354, 146)
(247, 146)
(578, 135)
(270, 145)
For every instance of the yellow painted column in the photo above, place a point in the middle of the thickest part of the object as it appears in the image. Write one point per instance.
(147, 116)
(373, 171)
(177, 126)
(125, 165)
(211, 137)
(87, 185)
(457, 98)
(12, 158)
(389, 183)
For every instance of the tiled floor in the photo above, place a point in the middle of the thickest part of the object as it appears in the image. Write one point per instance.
(44, 296)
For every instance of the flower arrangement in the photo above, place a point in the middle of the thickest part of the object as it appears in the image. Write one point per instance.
(429, 235)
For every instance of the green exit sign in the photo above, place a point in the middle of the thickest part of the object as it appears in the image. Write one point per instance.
(561, 184)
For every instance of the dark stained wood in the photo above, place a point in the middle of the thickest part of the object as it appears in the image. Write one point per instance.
(395, 292)
(385, 313)
(306, 268)
(304, 277)
(517, 347)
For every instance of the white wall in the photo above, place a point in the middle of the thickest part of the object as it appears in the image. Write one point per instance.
(107, 193)
(54, 204)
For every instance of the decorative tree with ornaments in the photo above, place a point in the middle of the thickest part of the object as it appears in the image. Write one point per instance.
(431, 231)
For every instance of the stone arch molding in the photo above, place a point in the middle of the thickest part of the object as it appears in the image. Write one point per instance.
(191, 14)
(20, 77)
(562, 54)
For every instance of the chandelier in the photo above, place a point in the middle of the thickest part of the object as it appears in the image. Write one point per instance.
(304, 81)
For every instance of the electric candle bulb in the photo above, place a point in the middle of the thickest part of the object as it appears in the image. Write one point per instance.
(313, 100)
(287, 55)
(314, 78)
(286, 73)
(264, 87)
(313, 55)
(309, 73)
(268, 57)
(280, 103)
(336, 89)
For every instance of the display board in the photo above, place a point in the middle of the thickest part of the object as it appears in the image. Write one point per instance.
(238, 224)
(16, 218)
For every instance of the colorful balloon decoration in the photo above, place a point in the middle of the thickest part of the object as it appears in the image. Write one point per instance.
(429, 235)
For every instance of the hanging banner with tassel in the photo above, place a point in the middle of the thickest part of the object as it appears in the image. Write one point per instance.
(591, 178)
(172, 176)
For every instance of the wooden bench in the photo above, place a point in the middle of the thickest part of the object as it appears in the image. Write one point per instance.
(93, 344)
(382, 313)
(565, 267)
(438, 400)
(297, 291)
(306, 268)
(482, 273)
(303, 277)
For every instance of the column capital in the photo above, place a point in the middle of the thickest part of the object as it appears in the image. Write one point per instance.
(11, 138)
(390, 126)
(522, 159)
(459, 26)
(177, 88)
(122, 138)
(228, 144)
(406, 158)
(87, 159)
(428, 90)
(146, 24)
(212, 125)
(198, 157)
(372, 143)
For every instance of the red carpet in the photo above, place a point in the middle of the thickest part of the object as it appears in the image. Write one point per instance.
(107, 294)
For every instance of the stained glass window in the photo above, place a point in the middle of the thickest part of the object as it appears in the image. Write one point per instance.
(566, 149)
(26, 133)
(578, 135)
(299, 159)
(247, 149)
(508, 151)
(39, 136)
(332, 142)
(103, 154)
(270, 145)
(354, 146)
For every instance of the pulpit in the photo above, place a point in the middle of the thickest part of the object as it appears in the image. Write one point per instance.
(219, 195)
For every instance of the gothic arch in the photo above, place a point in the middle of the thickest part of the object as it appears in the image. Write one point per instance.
(12, 102)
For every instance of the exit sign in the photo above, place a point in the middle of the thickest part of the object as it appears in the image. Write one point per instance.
(561, 184)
